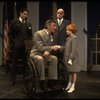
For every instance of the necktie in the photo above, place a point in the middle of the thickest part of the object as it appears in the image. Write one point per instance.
(59, 22)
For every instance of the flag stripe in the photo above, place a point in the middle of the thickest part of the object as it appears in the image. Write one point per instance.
(5, 34)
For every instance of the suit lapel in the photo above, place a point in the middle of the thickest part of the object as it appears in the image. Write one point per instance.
(62, 25)
(45, 37)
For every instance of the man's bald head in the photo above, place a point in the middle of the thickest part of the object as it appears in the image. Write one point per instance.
(60, 13)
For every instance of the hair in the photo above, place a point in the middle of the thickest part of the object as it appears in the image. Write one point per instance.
(72, 27)
(48, 22)
(23, 9)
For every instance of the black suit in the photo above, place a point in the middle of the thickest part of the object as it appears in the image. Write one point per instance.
(60, 36)
(18, 33)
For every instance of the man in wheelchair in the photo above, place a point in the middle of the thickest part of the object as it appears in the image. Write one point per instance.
(42, 55)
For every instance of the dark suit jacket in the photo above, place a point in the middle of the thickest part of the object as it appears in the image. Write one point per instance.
(19, 32)
(60, 36)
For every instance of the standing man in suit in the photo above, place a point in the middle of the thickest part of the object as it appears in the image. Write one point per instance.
(41, 53)
(20, 31)
(60, 36)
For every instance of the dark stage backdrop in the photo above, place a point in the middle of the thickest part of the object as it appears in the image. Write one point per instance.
(46, 11)
(8, 15)
(93, 18)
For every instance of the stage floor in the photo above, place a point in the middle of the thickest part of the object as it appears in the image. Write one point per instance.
(87, 86)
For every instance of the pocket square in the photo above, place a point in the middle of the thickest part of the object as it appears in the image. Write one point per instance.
(29, 27)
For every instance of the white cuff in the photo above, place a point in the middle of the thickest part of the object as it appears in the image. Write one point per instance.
(70, 61)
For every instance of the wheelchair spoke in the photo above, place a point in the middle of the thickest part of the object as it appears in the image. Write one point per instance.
(29, 79)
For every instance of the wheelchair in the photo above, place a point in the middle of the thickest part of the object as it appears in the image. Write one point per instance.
(31, 79)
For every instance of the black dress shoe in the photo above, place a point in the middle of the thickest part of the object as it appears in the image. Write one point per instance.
(11, 82)
(51, 85)
(43, 88)
(43, 85)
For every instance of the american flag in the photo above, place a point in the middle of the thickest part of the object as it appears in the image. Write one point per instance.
(5, 39)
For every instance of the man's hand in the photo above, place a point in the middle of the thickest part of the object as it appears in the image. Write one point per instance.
(46, 53)
(55, 47)
(70, 61)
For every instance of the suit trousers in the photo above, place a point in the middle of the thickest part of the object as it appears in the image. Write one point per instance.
(18, 52)
(51, 62)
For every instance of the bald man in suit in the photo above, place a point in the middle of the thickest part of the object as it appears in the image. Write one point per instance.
(60, 36)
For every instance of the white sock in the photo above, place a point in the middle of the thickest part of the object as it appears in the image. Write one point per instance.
(68, 86)
(72, 88)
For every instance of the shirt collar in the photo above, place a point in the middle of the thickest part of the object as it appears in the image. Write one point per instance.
(60, 19)
(46, 31)
(20, 19)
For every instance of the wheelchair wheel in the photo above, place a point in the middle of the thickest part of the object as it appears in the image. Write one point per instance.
(63, 75)
(30, 78)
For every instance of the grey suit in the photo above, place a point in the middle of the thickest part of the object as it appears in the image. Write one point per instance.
(43, 42)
